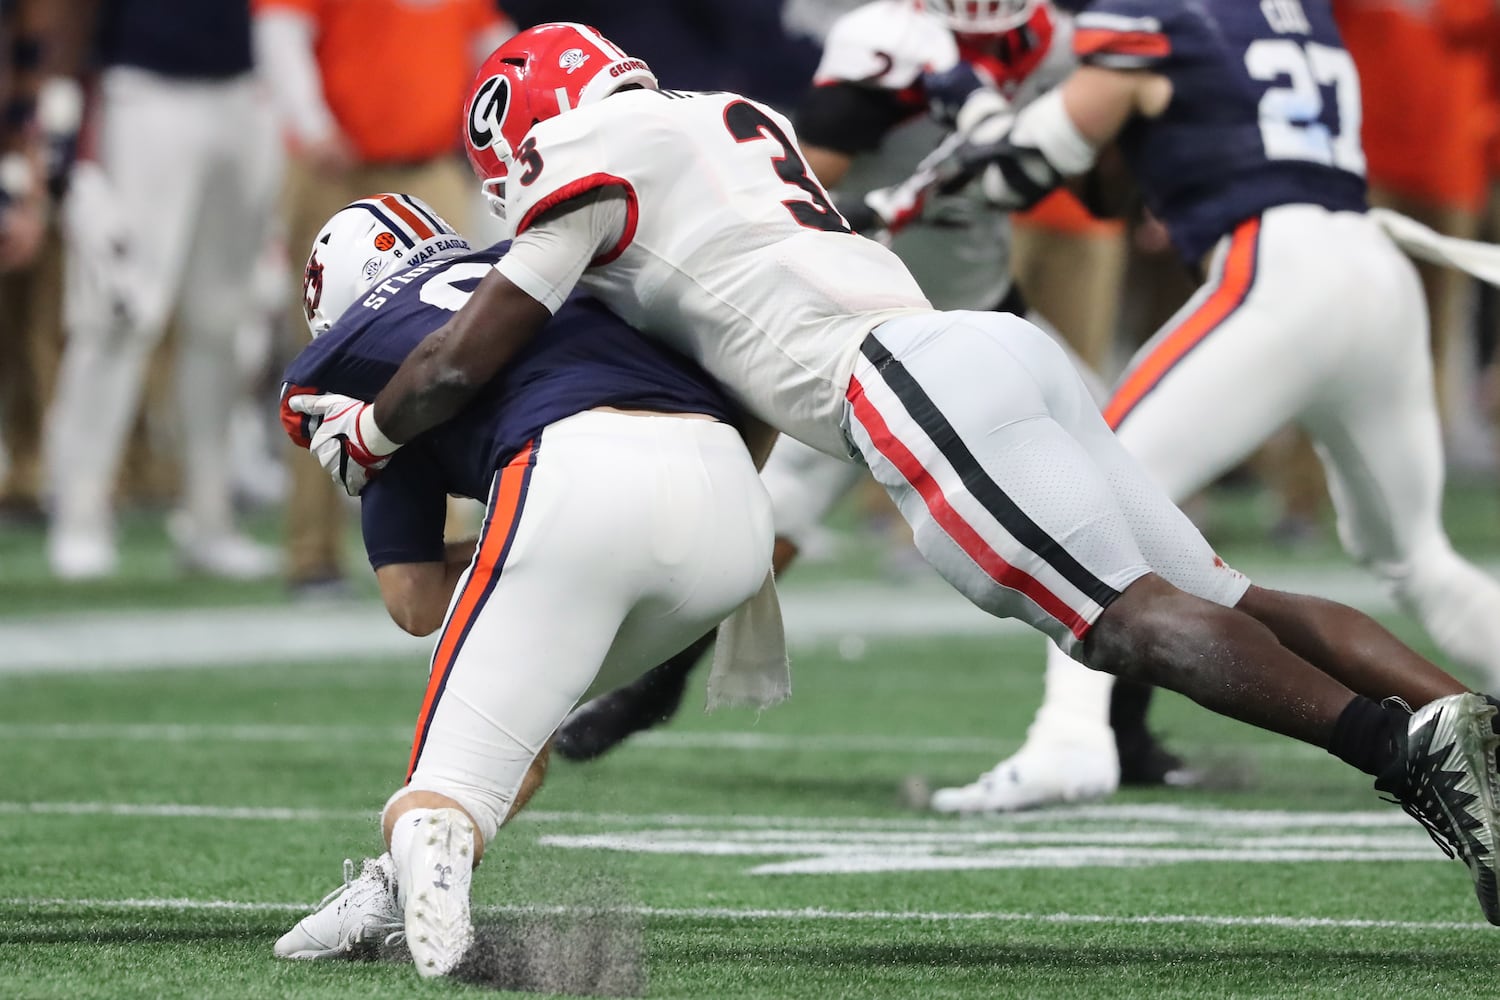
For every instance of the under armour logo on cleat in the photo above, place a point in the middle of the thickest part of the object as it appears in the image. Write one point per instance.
(443, 871)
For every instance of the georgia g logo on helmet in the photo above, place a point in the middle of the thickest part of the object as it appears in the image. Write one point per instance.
(487, 113)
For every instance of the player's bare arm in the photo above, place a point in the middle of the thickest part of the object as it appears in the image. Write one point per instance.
(457, 358)
(416, 595)
(1100, 101)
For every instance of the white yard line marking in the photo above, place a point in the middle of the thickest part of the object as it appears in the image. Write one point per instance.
(811, 914)
(1188, 816)
(174, 732)
(224, 637)
(258, 733)
(670, 740)
(171, 810)
(1103, 836)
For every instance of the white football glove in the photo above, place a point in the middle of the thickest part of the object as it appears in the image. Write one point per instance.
(348, 444)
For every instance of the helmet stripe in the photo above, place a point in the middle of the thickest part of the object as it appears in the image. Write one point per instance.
(416, 206)
(385, 220)
(422, 230)
(601, 43)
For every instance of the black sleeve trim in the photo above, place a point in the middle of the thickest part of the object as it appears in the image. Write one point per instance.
(850, 118)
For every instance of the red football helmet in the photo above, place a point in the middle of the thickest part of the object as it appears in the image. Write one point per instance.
(536, 75)
(983, 17)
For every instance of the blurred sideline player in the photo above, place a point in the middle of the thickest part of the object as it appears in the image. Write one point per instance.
(1309, 312)
(864, 125)
(693, 215)
(189, 165)
(44, 110)
(367, 96)
(624, 518)
(1423, 70)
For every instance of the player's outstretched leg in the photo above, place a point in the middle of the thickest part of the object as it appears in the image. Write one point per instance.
(1439, 764)
(1020, 497)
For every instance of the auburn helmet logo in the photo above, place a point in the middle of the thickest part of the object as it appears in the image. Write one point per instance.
(312, 285)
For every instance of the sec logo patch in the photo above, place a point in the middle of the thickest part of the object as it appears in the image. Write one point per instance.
(384, 241)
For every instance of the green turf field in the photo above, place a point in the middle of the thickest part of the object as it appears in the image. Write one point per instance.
(160, 828)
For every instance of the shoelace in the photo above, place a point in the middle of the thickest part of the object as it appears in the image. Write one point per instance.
(395, 929)
(1422, 807)
(348, 878)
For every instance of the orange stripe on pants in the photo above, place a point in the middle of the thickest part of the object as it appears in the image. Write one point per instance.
(504, 512)
(1234, 285)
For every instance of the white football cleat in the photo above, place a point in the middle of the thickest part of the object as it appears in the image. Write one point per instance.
(352, 920)
(434, 868)
(77, 554)
(1038, 774)
(226, 555)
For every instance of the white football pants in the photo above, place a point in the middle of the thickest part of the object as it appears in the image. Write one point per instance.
(192, 170)
(983, 433)
(805, 484)
(609, 544)
(1315, 318)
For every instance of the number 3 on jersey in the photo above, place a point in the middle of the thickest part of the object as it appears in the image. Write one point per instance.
(747, 123)
(1292, 124)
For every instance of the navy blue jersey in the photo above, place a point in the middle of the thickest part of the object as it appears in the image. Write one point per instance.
(1265, 109)
(585, 357)
(190, 39)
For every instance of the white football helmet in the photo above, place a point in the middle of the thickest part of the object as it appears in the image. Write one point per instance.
(983, 17)
(363, 242)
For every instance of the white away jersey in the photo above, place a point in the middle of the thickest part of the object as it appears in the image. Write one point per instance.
(964, 263)
(731, 253)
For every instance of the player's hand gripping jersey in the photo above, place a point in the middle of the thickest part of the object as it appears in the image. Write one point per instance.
(588, 358)
(717, 240)
(870, 101)
(1265, 109)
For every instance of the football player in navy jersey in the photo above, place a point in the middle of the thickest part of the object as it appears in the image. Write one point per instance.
(1240, 125)
(625, 518)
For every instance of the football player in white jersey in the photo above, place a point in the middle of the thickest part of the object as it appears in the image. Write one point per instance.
(892, 78)
(694, 217)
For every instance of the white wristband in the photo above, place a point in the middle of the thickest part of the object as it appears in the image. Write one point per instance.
(372, 437)
(1045, 126)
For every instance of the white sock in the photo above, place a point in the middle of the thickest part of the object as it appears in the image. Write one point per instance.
(404, 829)
(1456, 602)
(1075, 708)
